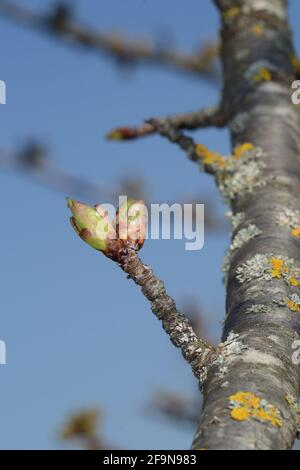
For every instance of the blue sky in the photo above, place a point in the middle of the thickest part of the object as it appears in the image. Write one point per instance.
(78, 333)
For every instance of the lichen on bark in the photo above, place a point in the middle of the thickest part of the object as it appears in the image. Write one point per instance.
(261, 112)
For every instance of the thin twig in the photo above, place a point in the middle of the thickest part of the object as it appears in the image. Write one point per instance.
(208, 117)
(209, 162)
(197, 352)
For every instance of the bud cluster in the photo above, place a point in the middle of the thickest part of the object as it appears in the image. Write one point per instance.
(93, 225)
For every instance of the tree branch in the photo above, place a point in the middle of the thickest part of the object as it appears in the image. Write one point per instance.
(208, 117)
(209, 162)
(61, 24)
(120, 240)
(197, 352)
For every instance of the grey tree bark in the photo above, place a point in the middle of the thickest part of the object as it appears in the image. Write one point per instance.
(257, 378)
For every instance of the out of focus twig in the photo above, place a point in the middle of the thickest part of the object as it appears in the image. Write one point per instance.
(84, 428)
(175, 407)
(32, 160)
(60, 22)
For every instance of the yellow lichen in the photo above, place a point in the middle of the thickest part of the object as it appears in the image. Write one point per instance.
(277, 267)
(240, 414)
(295, 63)
(240, 150)
(246, 405)
(296, 232)
(210, 158)
(231, 13)
(290, 400)
(115, 135)
(293, 306)
(293, 402)
(280, 269)
(294, 282)
(263, 75)
(257, 29)
(270, 415)
(247, 399)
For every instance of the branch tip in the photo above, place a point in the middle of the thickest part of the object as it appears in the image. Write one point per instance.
(207, 117)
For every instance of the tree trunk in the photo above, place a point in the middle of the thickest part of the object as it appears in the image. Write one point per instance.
(262, 313)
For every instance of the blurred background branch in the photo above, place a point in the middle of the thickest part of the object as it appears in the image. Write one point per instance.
(85, 428)
(60, 23)
(32, 160)
(174, 407)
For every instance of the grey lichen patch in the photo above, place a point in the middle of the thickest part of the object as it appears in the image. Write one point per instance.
(235, 219)
(241, 174)
(291, 219)
(257, 267)
(242, 237)
(233, 345)
(294, 404)
(267, 267)
(258, 308)
(274, 8)
(230, 349)
(295, 298)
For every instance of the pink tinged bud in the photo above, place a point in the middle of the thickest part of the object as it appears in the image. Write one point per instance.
(131, 222)
(92, 225)
(101, 210)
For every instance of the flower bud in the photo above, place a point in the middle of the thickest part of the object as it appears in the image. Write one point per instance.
(92, 225)
(131, 222)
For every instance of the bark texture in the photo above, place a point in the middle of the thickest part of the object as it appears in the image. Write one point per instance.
(256, 56)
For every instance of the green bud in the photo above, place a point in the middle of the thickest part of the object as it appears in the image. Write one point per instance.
(92, 225)
(131, 222)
